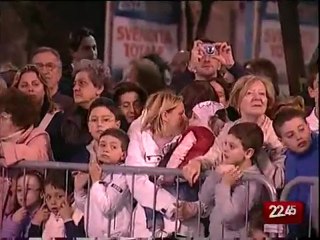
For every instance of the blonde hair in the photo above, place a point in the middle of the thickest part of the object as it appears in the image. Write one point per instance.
(51, 106)
(243, 84)
(156, 105)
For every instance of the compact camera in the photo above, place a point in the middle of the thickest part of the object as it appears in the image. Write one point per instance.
(210, 49)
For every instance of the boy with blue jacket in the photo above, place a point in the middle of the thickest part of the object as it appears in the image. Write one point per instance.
(302, 159)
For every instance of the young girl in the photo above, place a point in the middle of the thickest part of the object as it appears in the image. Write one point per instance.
(29, 191)
(109, 209)
(56, 218)
(222, 195)
(103, 114)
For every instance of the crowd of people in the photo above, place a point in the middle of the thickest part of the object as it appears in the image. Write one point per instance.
(202, 111)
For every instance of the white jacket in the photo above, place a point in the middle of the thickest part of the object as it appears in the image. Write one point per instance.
(144, 152)
(109, 207)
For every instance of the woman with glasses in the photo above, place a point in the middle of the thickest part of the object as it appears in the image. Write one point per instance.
(89, 81)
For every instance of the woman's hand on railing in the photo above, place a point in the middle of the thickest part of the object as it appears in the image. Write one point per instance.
(191, 171)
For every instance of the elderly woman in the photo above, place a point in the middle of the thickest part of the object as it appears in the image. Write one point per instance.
(19, 140)
(89, 80)
(30, 81)
(151, 138)
(252, 96)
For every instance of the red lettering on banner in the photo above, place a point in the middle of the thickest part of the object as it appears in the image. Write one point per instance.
(141, 34)
(135, 50)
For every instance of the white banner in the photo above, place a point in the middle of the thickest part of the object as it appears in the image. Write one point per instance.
(134, 38)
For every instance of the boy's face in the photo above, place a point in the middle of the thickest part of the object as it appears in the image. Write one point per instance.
(28, 191)
(54, 198)
(296, 135)
(110, 150)
(101, 119)
(233, 152)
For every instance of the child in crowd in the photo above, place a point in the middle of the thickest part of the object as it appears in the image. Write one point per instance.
(302, 159)
(102, 115)
(29, 193)
(56, 218)
(196, 140)
(217, 122)
(109, 209)
(223, 195)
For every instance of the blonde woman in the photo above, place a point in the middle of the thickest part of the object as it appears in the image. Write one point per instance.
(252, 96)
(30, 81)
(152, 136)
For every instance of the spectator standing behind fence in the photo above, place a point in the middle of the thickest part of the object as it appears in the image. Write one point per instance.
(102, 115)
(313, 118)
(49, 63)
(251, 96)
(88, 86)
(145, 73)
(223, 195)
(30, 81)
(208, 58)
(152, 136)
(19, 140)
(56, 218)
(82, 45)
(302, 159)
(130, 98)
(109, 201)
(29, 196)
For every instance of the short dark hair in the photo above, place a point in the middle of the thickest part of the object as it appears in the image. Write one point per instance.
(197, 92)
(20, 106)
(250, 136)
(108, 103)
(60, 179)
(75, 37)
(119, 134)
(285, 115)
(125, 87)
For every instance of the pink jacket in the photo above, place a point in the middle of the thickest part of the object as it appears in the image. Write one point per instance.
(32, 144)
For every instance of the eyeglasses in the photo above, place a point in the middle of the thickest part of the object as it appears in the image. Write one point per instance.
(48, 66)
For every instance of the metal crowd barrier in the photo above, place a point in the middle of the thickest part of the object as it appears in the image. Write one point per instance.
(129, 170)
(313, 182)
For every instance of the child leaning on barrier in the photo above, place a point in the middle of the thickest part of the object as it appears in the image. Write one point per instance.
(57, 217)
(29, 196)
(109, 210)
(223, 194)
(302, 159)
